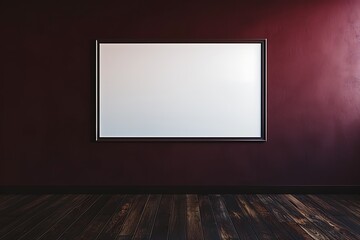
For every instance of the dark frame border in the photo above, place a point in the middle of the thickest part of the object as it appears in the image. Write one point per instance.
(262, 138)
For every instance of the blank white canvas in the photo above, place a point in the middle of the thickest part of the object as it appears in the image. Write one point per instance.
(179, 90)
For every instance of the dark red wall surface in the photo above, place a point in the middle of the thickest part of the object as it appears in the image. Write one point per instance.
(47, 94)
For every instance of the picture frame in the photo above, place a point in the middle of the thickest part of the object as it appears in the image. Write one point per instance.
(181, 91)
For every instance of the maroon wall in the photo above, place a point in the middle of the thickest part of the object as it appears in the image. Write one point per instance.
(47, 100)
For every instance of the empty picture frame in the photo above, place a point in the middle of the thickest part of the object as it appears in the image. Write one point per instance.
(182, 91)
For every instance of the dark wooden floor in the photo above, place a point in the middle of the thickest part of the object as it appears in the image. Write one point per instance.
(179, 217)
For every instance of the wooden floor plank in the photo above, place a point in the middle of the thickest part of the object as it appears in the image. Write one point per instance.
(279, 229)
(77, 228)
(113, 227)
(309, 226)
(313, 231)
(133, 218)
(15, 202)
(283, 217)
(146, 224)
(193, 225)
(207, 219)
(262, 229)
(336, 212)
(33, 220)
(11, 220)
(240, 218)
(61, 226)
(349, 206)
(223, 221)
(7, 200)
(177, 222)
(54, 217)
(5, 197)
(181, 216)
(161, 225)
(351, 199)
(339, 205)
(26, 205)
(335, 227)
(96, 226)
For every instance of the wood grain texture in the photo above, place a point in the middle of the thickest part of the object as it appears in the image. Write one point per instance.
(94, 228)
(79, 226)
(33, 220)
(313, 228)
(54, 217)
(336, 212)
(240, 218)
(263, 231)
(180, 216)
(113, 227)
(177, 224)
(333, 225)
(58, 229)
(207, 219)
(223, 221)
(132, 220)
(146, 223)
(7, 201)
(20, 213)
(282, 216)
(264, 216)
(193, 223)
(161, 225)
(351, 207)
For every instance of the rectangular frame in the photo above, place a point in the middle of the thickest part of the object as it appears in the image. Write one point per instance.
(263, 107)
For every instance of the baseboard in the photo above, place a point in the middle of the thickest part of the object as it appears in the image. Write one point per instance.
(180, 189)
